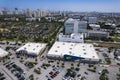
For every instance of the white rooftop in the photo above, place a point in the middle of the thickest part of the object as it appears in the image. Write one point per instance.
(118, 57)
(94, 25)
(59, 49)
(70, 20)
(78, 35)
(32, 48)
(3, 53)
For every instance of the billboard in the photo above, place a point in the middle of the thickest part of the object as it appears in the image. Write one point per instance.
(72, 58)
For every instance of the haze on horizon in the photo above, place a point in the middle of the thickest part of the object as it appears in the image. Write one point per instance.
(69, 5)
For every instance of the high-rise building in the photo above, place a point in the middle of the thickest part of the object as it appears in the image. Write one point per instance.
(35, 14)
(69, 26)
(16, 11)
(82, 27)
(1, 13)
(5, 11)
(38, 12)
(75, 26)
(29, 13)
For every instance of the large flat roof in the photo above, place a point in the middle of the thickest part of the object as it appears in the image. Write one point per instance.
(71, 20)
(92, 31)
(3, 53)
(32, 48)
(59, 49)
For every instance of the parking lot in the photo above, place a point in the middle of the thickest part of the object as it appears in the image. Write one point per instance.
(27, 68)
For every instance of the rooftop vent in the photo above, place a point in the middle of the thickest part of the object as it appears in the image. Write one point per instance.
(37, 46)
(84, 53)
(56, 51)
(70, 48)
(70, 52)
(84, 49)
(71, 44)
(90, 46)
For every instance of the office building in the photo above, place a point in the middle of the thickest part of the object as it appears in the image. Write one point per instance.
(69, 26)
(92, 20)
(82, 26)
(75, 26)
(98, 34)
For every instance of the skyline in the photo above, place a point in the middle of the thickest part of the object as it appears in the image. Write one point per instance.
(64, 5)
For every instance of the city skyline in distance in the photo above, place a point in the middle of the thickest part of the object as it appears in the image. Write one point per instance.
(64, 5)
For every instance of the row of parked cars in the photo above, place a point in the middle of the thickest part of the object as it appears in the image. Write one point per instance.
(52, 74)
(2, 77)
(107, 59)
(16, 70)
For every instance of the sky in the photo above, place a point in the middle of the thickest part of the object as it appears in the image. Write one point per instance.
(68, 5)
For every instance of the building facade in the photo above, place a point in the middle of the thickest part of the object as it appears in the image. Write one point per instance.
(77, 38)
(99, 34)
(82, 27)
(75, 26)
(92, 20)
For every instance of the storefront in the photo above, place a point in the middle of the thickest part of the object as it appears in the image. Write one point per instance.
(72, 58)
